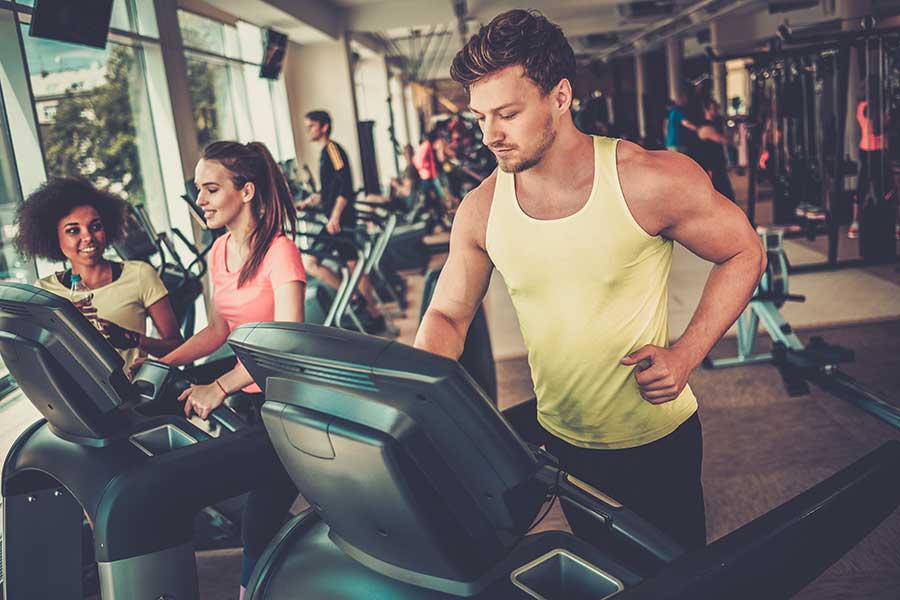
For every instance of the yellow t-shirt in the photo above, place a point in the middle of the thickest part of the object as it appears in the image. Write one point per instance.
(588, 289)
(124, 301)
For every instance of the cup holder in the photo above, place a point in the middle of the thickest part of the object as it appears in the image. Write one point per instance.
(560, 574)
(160, 440)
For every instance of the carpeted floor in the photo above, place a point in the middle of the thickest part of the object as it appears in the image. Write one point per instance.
(762, 447)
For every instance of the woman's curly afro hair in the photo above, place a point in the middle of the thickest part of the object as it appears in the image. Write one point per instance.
(38, 217)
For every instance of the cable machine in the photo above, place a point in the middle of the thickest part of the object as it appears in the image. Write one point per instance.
(798, 114)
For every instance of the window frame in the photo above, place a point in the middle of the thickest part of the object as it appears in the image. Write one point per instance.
(281, 146)
(140, 18)
(7, 383)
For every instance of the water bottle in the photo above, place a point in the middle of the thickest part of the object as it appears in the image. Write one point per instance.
(80, 292)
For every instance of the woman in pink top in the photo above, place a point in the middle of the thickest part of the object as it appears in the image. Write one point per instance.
(426, 162)
(257, 275)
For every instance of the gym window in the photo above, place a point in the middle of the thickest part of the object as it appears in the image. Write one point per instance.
(93, 108)
(223, 62)
(12, 267)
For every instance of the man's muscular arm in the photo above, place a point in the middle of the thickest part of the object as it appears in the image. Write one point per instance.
(670, 195)
(463, 281)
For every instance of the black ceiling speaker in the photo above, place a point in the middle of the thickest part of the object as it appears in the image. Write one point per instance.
(273, 54)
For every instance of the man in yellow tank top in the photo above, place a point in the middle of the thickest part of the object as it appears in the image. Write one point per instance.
(582, 229)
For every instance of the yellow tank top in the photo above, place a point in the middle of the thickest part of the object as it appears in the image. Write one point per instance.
(588, 289)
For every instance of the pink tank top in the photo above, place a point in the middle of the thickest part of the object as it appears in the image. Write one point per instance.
(425, 162)
(868, 141)
(255, 301)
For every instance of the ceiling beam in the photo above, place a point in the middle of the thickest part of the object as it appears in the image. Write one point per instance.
(395, 14)
(603, 20)
(320, 14)
(576, 18)
(304, 22)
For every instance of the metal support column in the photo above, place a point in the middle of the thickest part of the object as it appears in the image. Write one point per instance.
(674, 58)
(640, 87)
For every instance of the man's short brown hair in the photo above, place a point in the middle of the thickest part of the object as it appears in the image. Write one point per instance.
(517, 37)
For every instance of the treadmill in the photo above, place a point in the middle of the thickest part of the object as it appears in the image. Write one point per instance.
(114, 450)
(421, 490)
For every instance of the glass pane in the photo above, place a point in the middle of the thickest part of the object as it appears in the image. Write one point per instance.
(120, 19)
(251, 39)
(12, 267)
(145, 18)
(241, 105)
(262, 117)
(209, 88)
(91, 108)
(201, 33)
(282, 119)
(232, 46)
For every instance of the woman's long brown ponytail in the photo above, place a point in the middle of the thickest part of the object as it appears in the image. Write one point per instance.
(272, 204)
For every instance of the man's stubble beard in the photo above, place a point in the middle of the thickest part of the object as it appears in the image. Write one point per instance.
(548, 137)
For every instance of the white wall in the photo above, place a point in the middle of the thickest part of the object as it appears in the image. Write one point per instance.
(401, 128)
(412, 115)
(317, 77)
(372, 103)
